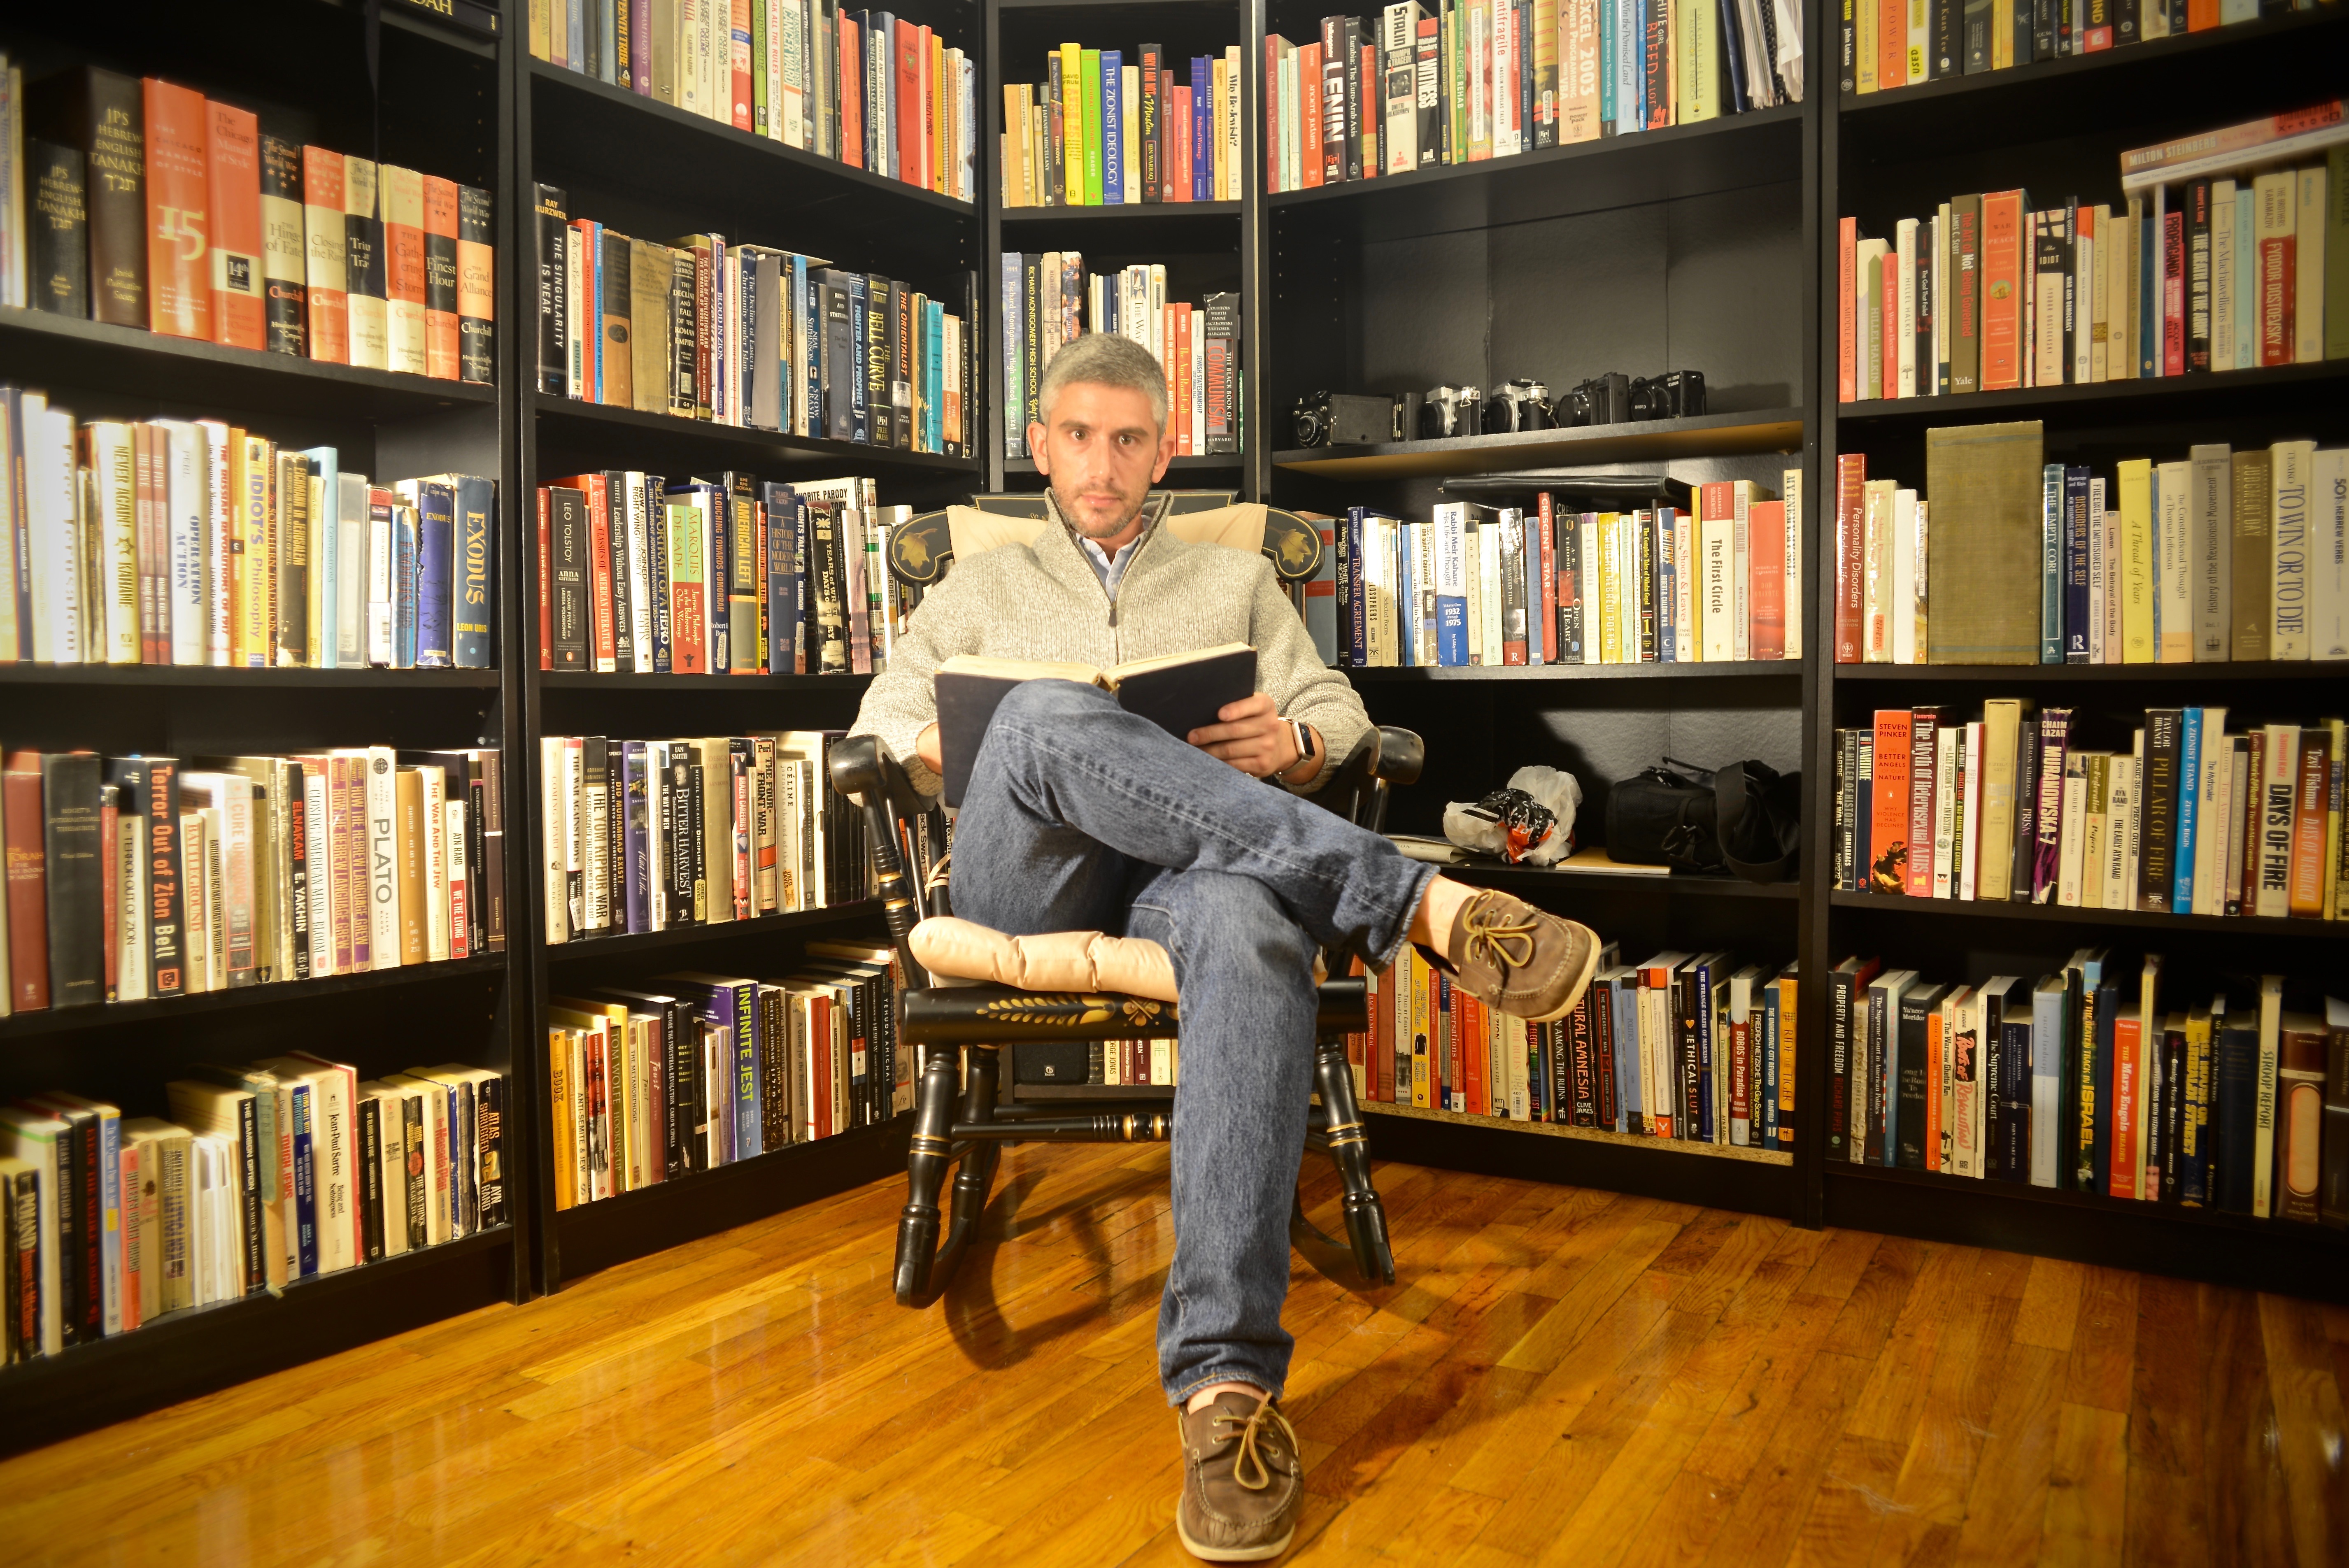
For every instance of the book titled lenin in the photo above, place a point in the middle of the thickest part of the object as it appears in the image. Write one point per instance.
(1179, 692)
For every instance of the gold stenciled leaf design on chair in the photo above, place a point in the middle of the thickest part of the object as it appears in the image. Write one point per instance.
(1075, 1009)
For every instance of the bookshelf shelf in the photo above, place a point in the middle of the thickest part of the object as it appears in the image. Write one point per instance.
(1728, 154)
(1133, 212)
(187, 676)
(2318, 1238)
(2283, 389)
(183, 1354)
(634, 684)
(1702, 436)
(166, 1010)
(2268, 928)
(587, 1237)
(1623, 884)
(571, 424)
(616, 139)
(2282, 671)
(138, 370)
(1787, 671)
(1660, 1146)
(596, 949)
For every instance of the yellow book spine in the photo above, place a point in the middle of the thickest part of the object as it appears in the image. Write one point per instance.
(2136, 476)
(1072, 122)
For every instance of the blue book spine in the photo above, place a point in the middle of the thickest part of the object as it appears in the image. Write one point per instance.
(745, 268)
(2190, 787)
(1015, 367)
(436, 573)
(739, 1014)
(1112, 81)
(1627, 1056)
(1202, 162)
(577, 39)
(2075, 565)
(2149, 282)
(1350, 588)
(635, 836)
(305, 1194)
(2013, 1160)
(774, 500)
(656, 528)
(2051, 563)
(405, 588)
(1668, 643)
(591, 252)
(1451, 629)
(475, 597)
(327, 463)
(1606, 66)
(1406, 597)
(933, 367)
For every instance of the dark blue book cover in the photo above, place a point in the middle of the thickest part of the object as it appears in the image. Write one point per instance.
(731, 1007)
(436, 528)
(2013, 1160)
(1203, 136)
(636, 841)
(474, 599)
(2076, 524)
(783, 579)
(305, 1195)
(407, 587)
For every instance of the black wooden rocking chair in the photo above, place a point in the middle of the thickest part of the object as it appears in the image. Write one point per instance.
(964, 1110)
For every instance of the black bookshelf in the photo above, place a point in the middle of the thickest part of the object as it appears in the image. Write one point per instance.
(2058, 128)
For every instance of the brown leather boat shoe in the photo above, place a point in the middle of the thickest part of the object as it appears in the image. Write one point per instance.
(1243, 1480)
(1520, 960)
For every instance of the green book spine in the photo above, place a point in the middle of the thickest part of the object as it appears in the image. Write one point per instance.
(1092, 89)
(2336, 254)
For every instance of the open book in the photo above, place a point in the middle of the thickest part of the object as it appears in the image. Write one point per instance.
(1179, 692)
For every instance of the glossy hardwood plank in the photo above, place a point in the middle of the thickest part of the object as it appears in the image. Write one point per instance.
(1558, 1376)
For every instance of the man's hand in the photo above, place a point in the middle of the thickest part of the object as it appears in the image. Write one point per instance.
(1252, 737)
(925, 747)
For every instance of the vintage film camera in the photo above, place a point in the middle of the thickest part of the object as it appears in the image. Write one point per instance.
(1449, 411)
(1348, 419)
(1601, 400)
(1519, 405)
(1674, 395)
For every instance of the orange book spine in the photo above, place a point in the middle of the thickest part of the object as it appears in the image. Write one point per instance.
(233, 191)
(2002, 290)
(402, 196)
(322, 226)
(1767, 578)
(1936, 1042)
(178, 282)
(906, 49)
(2201, 15)
(1891, 43)
(1888, 810)
(440, 246)
(2309, 808)
(1309, 98)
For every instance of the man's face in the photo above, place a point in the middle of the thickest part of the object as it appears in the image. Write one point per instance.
(1102, 452)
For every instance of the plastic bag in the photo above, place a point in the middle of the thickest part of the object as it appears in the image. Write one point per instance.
(1528, 822)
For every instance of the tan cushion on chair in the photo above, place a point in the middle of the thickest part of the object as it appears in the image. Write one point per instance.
(1057, 961)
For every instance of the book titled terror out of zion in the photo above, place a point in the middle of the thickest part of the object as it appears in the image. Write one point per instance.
(1179, 692)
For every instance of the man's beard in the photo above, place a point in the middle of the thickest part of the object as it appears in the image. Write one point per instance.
(1076, 520)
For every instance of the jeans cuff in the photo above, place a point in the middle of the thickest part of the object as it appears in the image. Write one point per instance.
(1178, 1397)
(1426, 875)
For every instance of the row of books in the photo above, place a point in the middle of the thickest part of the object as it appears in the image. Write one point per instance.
(691, 1071)
(199, 543)
(747, 335)
(1115, 1064)
(1988, 295)
(139, 877)
(1106, 128)
(721, 575)
(2189, 821)
(141, 204)
(656, 835)
(262, 1177)
(1891, 43)
(868, 88)
(1697, 1047)
(1474, 584)
(1472, 79)
(1049, 299)
(2222, 556)
(2084, 1082)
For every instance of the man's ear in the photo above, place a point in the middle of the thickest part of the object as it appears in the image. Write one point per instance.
(1038, 449)
(1167, 442)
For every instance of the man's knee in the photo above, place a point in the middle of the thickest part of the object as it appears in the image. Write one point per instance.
(1229, 920)
(1045, 701)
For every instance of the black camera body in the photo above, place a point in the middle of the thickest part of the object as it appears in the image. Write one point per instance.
(1674, 395)
(1520, 405)
(1601, 400)
(1348, 419)
(1449, 411)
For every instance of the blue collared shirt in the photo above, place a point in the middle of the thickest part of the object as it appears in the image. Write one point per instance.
(1109, 568)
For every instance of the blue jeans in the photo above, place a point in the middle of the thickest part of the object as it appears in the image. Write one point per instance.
(1081, 817)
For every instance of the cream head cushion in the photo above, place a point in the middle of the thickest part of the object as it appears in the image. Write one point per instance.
(1239, 527)
(1057, 961)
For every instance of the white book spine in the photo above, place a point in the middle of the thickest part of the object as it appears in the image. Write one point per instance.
(1900, 596)
(318, 870)
(2135, 823)
(378, 587)
(1741, 559)
(2213, 814)
(2276, 821)
(2291, 465)
(2328, 556)
(1902, 356)
(2071, 831)
(382, 798)
(1946, 745)
(1970, 794)
(1688, 640)
(435, 784)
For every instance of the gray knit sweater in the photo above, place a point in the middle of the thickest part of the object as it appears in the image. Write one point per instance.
(1044, 601)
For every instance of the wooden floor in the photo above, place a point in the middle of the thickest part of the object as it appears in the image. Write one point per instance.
(1561, 1376)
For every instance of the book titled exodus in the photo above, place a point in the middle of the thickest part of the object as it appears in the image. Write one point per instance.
(1178, 693)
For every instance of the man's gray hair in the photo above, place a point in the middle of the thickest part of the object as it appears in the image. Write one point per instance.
(1104, 359)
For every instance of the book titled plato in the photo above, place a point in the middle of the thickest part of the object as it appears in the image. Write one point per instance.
(1179, 692)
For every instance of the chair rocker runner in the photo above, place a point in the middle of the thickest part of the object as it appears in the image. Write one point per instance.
(958, 1015)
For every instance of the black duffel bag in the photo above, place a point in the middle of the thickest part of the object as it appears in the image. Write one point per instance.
(1745, 818)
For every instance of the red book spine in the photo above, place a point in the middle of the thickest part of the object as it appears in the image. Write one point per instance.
(2173, 294)
(179, 281)
(1766, 573)
(1846, 321)
(2126, 1040)
(1468, 1035)
(1888, 810)
(233, 190)
(820, 1047)
(1271, 118)
(545, 579)
(738, 55)
(1180, 131)
(27, 881)
(851, 95)
(599, 565)
(1308, 98)
(1851, 590)
(109, 888)
(2277, 266)
(1544, 546)
(2001, 290)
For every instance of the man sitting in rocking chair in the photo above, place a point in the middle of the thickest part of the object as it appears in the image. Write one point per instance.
(1081, 815)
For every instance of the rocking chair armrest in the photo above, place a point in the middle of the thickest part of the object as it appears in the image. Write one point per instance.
(864, 770)
(1400, 754)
